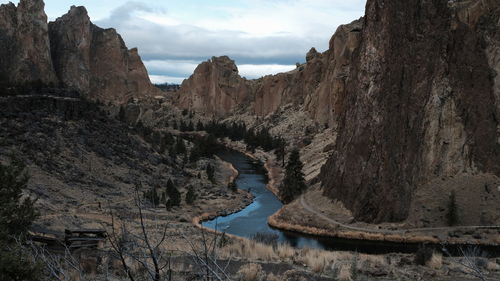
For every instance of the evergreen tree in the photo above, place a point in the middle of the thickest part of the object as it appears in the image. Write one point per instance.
(152, 196)
(232, 186)
(16, 216)
(180, 147)
(121, 114)
(190, 196)
(173, 194)
(294, 184)
(210, 173)
(199, 126)
(452, 215)
(190, 126)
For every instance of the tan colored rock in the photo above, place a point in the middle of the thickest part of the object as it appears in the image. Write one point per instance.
(215, 88)
(24, 43)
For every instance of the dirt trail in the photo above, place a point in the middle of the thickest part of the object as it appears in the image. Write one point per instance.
(310, 209)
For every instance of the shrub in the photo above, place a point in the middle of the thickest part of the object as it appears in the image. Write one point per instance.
(190, 196)
(423, 255)
(452, 215)
(250, 272)
(210, 173)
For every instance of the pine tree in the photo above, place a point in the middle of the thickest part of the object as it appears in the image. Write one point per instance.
(294, 184)
(16, 216)
(211, 173)
(452, 215)
(190, 196)
(199, 126)
(173, 194)
(121, 114)
(152, 196)
(180, 147)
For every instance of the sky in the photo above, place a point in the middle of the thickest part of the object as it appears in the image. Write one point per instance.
(262, 36)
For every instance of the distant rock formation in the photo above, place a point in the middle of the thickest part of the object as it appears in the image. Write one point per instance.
(71, 51)
(412, 91)
(214, 88)
(24, 43)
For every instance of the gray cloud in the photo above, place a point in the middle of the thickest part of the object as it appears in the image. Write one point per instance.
(172, 49)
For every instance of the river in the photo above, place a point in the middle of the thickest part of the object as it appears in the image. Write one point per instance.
(253, 219)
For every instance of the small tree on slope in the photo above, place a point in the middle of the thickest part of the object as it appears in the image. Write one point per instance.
(294, 184)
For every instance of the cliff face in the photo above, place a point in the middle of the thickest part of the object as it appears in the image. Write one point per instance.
(412, 91)
(420, 105)
(215, 88)
(71, 51)
(96, 61)
(24, 43)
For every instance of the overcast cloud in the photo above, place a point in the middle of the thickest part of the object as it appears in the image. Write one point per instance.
(262, 36)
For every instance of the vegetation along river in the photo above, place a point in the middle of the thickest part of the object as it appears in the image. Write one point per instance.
(253, 219)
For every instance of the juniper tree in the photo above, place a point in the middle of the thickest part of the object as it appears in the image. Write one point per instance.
(294, 184)
(17, 213)
(190, 196)
(452, 215)
(210, 173)
(173, 194)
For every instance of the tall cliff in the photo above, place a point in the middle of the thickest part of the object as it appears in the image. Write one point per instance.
(217, 89)
(95, 60)
(420, 105)
(412, 91)
(70, 51)
(24, 43)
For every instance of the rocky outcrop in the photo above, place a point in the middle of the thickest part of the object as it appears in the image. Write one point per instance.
(71, 51)
(24, 43)
(215, 88)
(420, 104)
(96, 61)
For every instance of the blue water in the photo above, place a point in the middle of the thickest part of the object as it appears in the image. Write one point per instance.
(253, 218)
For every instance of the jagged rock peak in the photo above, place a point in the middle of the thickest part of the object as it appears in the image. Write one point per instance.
(312, 54)
(96, 61)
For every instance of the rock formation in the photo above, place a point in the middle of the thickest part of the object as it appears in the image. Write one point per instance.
(215, 88)
(420, 105)
(412, 91)
(96, 61)
(317, 84)
(24, 43)
(71, 51)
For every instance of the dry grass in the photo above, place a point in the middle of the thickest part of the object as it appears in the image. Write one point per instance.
(436, 261)
(272, 277)
(344, 273)
(285, 251)
(250, 272)
(493, 266)
(250, 250)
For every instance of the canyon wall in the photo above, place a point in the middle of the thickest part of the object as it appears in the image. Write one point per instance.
(420, 105)
(411, 90)
(71, 52)
(24, 43)
(216, 88)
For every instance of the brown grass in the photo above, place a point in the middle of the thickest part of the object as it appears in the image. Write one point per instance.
(436, 261)
(250, 272)
(344, 273)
